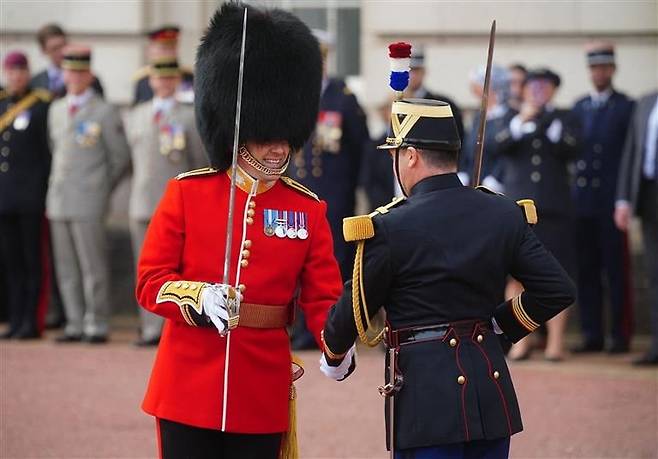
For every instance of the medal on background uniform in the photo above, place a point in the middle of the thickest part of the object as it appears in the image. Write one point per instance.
(291, 232)
(179, 136)
(166, 140)
(302, 232)
(268, 222)
(281, 222)
(87, 133)
(22, 121)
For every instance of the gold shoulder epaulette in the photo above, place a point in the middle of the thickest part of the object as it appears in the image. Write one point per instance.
(197, 172)
(361, 227)
(141, 73)
(3, 94)
(487, 190)
(299, 187)
(529, 210)
(347, 91)
(43, 94)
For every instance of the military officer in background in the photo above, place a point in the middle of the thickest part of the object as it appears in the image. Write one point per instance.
(90, 154)
(417, 87)
(437, 263)
(602, 248)
(221, 384)
(52, 40)
(24, 167)
(637, 193)
(498, 117)
(164, 143)
(330, 164)
(537, 147)
(163, 43)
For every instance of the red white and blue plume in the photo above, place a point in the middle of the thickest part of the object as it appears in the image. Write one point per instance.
(399, 56)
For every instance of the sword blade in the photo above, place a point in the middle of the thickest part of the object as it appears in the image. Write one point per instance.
(234, 163)
(479, 145)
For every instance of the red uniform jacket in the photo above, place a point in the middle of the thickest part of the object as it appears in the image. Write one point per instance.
(241, 382)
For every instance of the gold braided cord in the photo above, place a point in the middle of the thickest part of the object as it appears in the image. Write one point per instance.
(359, 298)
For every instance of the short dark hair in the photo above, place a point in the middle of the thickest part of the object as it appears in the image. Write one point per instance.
(519, 67)
(47, 31)
(443, 159)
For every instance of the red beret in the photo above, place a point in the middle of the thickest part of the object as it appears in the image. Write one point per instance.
(15, 59)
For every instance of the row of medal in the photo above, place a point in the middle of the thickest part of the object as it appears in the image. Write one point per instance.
(286, 223)
(172, 141)
(87, 133)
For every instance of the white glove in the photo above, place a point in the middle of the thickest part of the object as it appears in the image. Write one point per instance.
(341, 371)
(215, 302)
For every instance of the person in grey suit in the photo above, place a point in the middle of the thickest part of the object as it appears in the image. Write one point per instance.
(90, 153)
(637, 191)
(164, 143)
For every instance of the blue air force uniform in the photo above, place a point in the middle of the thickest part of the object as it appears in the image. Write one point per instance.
(330, 161)
(601, 246)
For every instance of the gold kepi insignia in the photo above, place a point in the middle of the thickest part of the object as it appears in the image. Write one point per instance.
(404, 117)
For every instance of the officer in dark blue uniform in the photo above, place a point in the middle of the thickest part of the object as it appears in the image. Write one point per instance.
(537, 147)
(604, 116)
(437, 263)
(24, 168)
(329, 164)
(163, 43)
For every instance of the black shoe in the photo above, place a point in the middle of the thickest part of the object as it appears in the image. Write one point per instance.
(587, 347)
(141, 342)
(28, 333)
(66, 338)
(9, 334)
(646, 360)
(617, 347)
(55, 323)
(95, 339)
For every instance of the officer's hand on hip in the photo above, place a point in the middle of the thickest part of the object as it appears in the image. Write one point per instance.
(339, 369)
(216, 300)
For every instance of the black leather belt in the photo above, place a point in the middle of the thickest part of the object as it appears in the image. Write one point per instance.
(424, 333)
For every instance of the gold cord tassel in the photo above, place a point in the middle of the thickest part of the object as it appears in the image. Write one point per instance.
(289, 447)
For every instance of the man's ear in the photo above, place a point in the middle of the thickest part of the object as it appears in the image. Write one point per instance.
(413, 156)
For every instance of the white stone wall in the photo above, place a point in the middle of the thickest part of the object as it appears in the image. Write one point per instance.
(535, 33)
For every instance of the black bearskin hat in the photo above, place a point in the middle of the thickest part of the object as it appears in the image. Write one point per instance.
(282, 80)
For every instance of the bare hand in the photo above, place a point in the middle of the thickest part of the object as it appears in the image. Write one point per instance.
(622, 217)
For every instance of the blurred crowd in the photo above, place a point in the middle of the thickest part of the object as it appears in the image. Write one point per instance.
(588, 169)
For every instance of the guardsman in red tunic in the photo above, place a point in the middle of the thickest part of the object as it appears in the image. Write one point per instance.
(219, 389)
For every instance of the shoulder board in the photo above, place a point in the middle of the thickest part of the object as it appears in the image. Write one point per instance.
(197, 172)
(361, 227)
(3, 94)
(43, 94)
(299, 187)
(488, 190)
(347, 91)
(529, 210)
(141, 73)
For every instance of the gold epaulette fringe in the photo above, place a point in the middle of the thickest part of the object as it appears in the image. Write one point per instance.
(299, 187)
(361, 227)
(529, 210)
(197, 172)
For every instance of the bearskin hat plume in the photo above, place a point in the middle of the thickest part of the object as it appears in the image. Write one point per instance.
(282, 80)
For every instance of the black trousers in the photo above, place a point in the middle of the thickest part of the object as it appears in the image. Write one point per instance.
(648, 211)
(180, 441)
(601, 253)
(20, 255)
